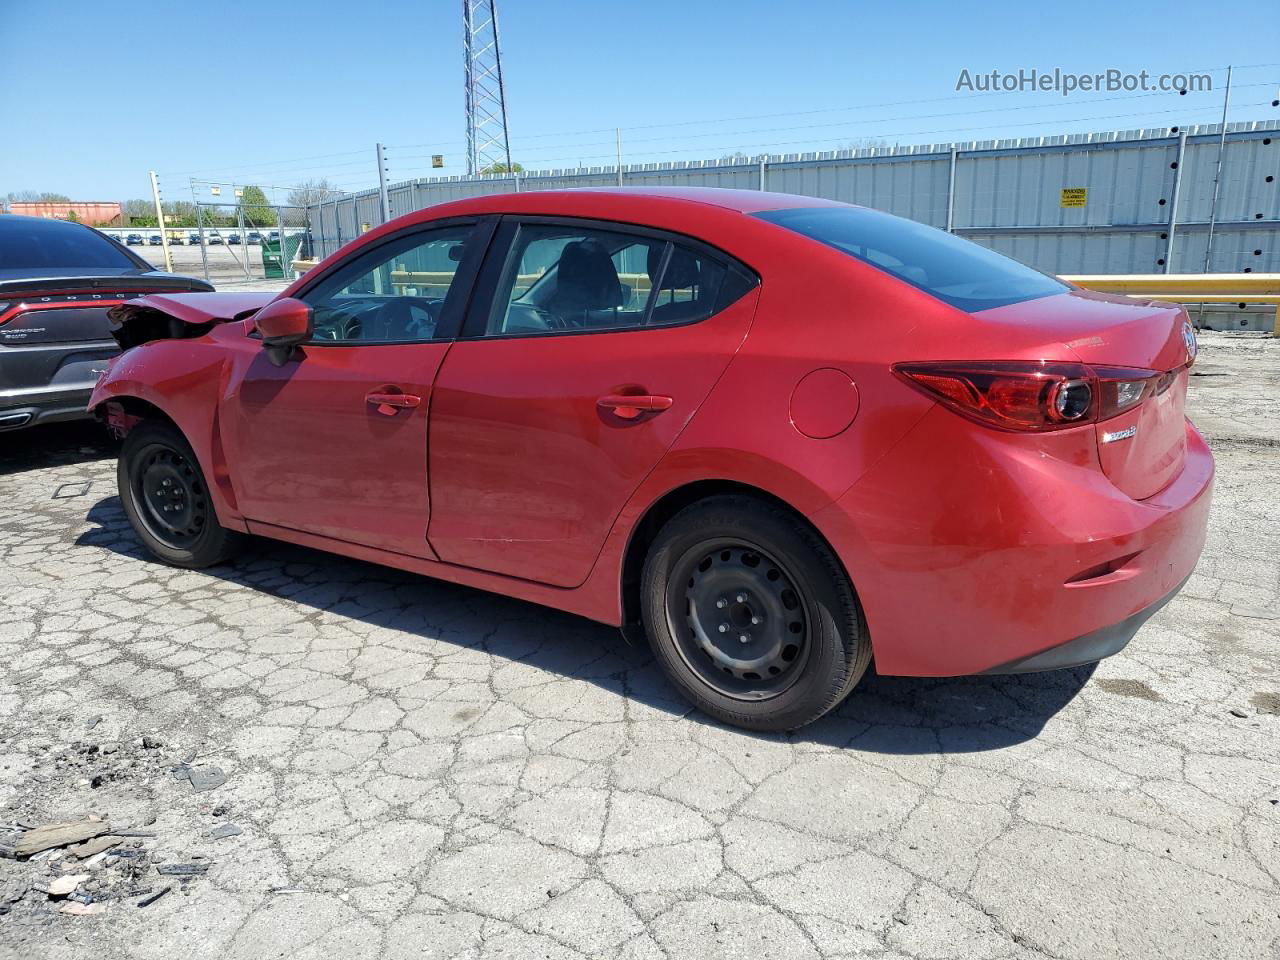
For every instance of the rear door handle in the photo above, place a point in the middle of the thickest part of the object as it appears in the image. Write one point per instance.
(629, 406)
(389, 404)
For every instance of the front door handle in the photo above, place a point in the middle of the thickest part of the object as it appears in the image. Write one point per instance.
(629, 406)
(389, 404)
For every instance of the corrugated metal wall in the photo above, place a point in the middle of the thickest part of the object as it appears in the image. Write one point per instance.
(1007, 194)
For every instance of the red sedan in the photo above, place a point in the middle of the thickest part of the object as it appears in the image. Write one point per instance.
(777, 435)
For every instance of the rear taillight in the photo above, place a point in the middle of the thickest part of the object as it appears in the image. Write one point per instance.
(1027, 395)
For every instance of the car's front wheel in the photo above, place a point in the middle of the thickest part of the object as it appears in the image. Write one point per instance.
(751, 615)
(167, 500)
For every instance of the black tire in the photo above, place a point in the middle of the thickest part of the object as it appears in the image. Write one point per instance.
(167, 500)
(781, 593)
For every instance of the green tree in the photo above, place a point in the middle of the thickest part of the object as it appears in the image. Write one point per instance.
(495, 168)
(73, 216)
(257, 212)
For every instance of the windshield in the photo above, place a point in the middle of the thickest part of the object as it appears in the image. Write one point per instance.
(955, 271)
(31, 244)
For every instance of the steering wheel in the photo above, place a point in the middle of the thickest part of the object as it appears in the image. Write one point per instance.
(338, 326)
(396, 316)
(553, 320)
(526, 317)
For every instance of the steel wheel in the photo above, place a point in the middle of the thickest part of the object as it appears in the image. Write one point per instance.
(173, 500)
(167, 501)
(739, 619)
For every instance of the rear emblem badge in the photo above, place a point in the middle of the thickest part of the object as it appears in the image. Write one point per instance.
(1124, 434)
(1189, 339)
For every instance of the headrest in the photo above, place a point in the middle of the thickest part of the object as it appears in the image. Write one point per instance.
(682, 268)
(586, 278)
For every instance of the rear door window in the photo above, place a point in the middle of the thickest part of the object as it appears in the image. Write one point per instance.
(571, 278)
(955, 271)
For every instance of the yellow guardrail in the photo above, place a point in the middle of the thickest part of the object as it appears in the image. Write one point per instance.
(1208, 288)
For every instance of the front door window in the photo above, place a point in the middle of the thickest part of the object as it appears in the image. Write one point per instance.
(394, 294)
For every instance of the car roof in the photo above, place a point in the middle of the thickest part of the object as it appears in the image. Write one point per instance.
(717, 216)
(739, 201)
(13, 221)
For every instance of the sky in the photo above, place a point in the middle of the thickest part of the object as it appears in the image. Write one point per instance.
(95, 94)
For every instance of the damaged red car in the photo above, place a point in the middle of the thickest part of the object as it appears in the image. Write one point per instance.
(775, 435)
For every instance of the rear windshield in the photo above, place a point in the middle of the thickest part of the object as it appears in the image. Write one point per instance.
(32, 245)
(955, 271)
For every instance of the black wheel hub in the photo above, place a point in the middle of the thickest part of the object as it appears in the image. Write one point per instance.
(738, 618)
(171, 499)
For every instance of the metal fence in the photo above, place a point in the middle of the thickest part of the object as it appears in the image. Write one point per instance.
(1134, 201)
(241, 244)
(228, 246)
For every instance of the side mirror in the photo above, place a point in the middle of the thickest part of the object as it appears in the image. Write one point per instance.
(283, 324)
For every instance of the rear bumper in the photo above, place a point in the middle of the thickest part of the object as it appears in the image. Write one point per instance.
(974, 551)
(1090, 648)
(31, 406)
(42, 382)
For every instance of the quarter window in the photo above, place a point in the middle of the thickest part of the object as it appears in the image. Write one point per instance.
(396, 293)
(567, 278)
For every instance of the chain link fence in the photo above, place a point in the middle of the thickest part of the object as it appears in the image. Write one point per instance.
(240, 245)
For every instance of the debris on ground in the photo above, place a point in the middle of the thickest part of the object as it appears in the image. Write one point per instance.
(206, 778)
(75, 489)
(202, 778)
(76, 909)
(182, 869)
(64, 855)
(151, 898)
(50, 835)
(90, 848)
(65, 884)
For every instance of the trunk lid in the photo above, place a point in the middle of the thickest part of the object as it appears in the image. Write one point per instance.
(55, 332)
(1141, 450)
(73, 308)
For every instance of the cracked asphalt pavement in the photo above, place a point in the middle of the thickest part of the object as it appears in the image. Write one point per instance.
(423, 770)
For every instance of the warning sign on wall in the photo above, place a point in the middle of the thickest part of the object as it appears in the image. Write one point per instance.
(1075, 196)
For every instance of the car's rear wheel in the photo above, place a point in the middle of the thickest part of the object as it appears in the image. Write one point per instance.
(750, 614)
(167, 500)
